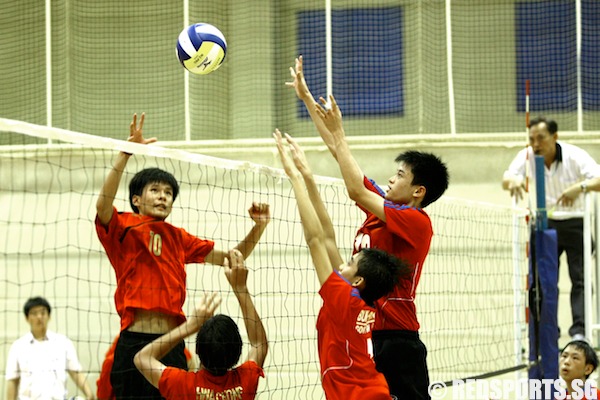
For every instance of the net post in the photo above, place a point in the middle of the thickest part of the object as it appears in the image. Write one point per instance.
(543, 333)
(541, 221)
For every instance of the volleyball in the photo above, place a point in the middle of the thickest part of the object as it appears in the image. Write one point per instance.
(201, 48)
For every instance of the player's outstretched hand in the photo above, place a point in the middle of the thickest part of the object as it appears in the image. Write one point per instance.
(260, 213)
(331, 117)
(235, 271)
(299, 83)
(298, 156)
(205, 309)
(288, 165)
(136, 131)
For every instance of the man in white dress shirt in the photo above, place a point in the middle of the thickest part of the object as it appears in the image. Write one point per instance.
(38, 362)
(569, 172)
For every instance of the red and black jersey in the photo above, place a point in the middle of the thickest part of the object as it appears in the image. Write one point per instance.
(407, 235)
(149, 258)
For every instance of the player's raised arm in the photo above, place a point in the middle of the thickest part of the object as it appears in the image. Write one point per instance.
(351, 172)
(315, 197)
(313, 231)
(304, 94)
(147, 360)
(104, 204)
(237, 275)
(261, 215)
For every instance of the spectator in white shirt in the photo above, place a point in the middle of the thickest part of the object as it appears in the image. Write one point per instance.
(569, 171)
(38, 362)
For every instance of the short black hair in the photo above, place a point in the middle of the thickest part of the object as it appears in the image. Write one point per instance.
(551, 124)
(381, 272)
(150, 175)
(590, 354)
(428, 170)
(219, 344)
(35, 302)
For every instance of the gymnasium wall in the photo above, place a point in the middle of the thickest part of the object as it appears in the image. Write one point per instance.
(110, 59)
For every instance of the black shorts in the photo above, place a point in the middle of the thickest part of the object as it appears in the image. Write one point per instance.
(126, 380)
(401, 357)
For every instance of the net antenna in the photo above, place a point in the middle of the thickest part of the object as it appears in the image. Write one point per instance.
(530, 220)
(520, 330)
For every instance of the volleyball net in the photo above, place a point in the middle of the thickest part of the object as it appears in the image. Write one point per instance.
(470, 302)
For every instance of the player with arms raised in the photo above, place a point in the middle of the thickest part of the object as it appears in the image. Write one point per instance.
(149, 257)
(346, 318)
(396, 223)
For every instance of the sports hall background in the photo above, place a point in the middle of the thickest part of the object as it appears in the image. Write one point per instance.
(103, 61)
(456, 90)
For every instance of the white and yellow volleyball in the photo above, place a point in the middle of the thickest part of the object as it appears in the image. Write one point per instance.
(201, 48)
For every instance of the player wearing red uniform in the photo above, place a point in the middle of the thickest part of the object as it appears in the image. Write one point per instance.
(218, 344)
(347, 316)
(396, 224)
(152, 278)
(405, 233)
(149, 257)
(344, 328)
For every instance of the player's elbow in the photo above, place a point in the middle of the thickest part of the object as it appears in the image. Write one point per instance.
(104, 211)
(316, 240)
(356, 193)
(259, 352)
(263, 348)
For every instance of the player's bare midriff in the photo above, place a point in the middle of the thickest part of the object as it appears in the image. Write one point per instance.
(152, 322)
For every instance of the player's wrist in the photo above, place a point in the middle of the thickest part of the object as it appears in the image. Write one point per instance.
(307, 97)
(262, 222)
(195, 322)
(307, 174)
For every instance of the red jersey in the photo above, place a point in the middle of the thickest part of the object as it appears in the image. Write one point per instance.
(240, 383)
(345, 348)
(407, 235)
(149, 258)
